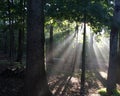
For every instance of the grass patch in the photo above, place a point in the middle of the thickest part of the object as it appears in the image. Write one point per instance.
(103, 92)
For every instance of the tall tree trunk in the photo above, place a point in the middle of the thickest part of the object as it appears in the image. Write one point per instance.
(76, 29)
(36, 81)
(20, 46)
(82, 90)
(5, 38)
(11, 52)
(21, 35)
(111, 79)
(51, 44)
(119, 43)
(91, 39)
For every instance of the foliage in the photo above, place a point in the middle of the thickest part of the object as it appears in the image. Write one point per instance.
(60, 28)
(103, 92)
(98, 13)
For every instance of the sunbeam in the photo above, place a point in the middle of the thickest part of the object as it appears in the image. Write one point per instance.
(64, 60)
(101, 55)
(67, 61)
(60, 47)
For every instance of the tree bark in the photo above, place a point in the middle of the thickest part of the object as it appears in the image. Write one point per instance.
(119, 42)
(36, 80)
(112, 70)
(4, 38)
(82, 90)
(11, 51)
(20, 46)
(111, 80)
(51, 44)
(21, 34)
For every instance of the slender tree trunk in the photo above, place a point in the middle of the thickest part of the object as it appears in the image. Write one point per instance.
(5, 38)
(20, 46)
(51, 44)
(36, 81)
(91, 39)
(21, 35)
(76, 29)
(5, 43)
(68, 29)
(111, 80)
(11, 52)
(119, 43)
(82, 90)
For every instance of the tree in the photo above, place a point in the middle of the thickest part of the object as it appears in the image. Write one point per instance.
(36, 81)
(112, 70)
(21, 32)
(20, 45)
(82, 90)
(51, 43)
(11, 32)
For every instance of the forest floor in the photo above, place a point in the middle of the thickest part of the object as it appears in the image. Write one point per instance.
(11, 78)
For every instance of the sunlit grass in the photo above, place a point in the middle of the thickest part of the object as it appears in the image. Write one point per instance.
(103, 92)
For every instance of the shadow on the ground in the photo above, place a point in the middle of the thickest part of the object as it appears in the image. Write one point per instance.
(61, 80)
(64, 86)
